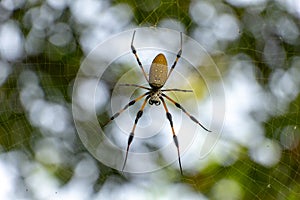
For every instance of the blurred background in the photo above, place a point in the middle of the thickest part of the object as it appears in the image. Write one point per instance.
(252, 44)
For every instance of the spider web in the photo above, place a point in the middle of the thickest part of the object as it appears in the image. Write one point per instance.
(257, 154)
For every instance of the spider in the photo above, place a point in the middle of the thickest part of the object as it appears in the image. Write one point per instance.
(155, 95)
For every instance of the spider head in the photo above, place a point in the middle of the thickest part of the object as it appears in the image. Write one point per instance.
(155, 102)
(154, 99)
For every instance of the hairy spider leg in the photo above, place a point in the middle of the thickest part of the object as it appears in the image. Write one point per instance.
(177, 57)
(137, 58)
(138, 116)
(176, 90)
(134, 85)
(169, 117)
(125, 107)
(188, 114)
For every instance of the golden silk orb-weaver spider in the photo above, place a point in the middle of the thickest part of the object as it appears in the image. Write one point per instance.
(158, 76)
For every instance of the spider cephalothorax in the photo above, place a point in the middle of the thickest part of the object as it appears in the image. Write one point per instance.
(158, 76)
(155, 98)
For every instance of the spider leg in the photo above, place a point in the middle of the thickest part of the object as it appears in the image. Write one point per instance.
(125, 107)
(169, 116)
(177, 57)
(176, 90)
(188, 114)
(134, 85)
(138, 116)
(137, 58)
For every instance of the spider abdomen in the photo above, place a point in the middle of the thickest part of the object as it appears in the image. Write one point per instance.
(158, 71)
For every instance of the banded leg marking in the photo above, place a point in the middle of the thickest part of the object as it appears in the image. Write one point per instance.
(187, 113)
(169, 117)
(177, 57)
(137, 58)
(125, 107)
(138, 116)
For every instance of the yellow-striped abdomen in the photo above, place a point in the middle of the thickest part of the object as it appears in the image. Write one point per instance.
(158, 71)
